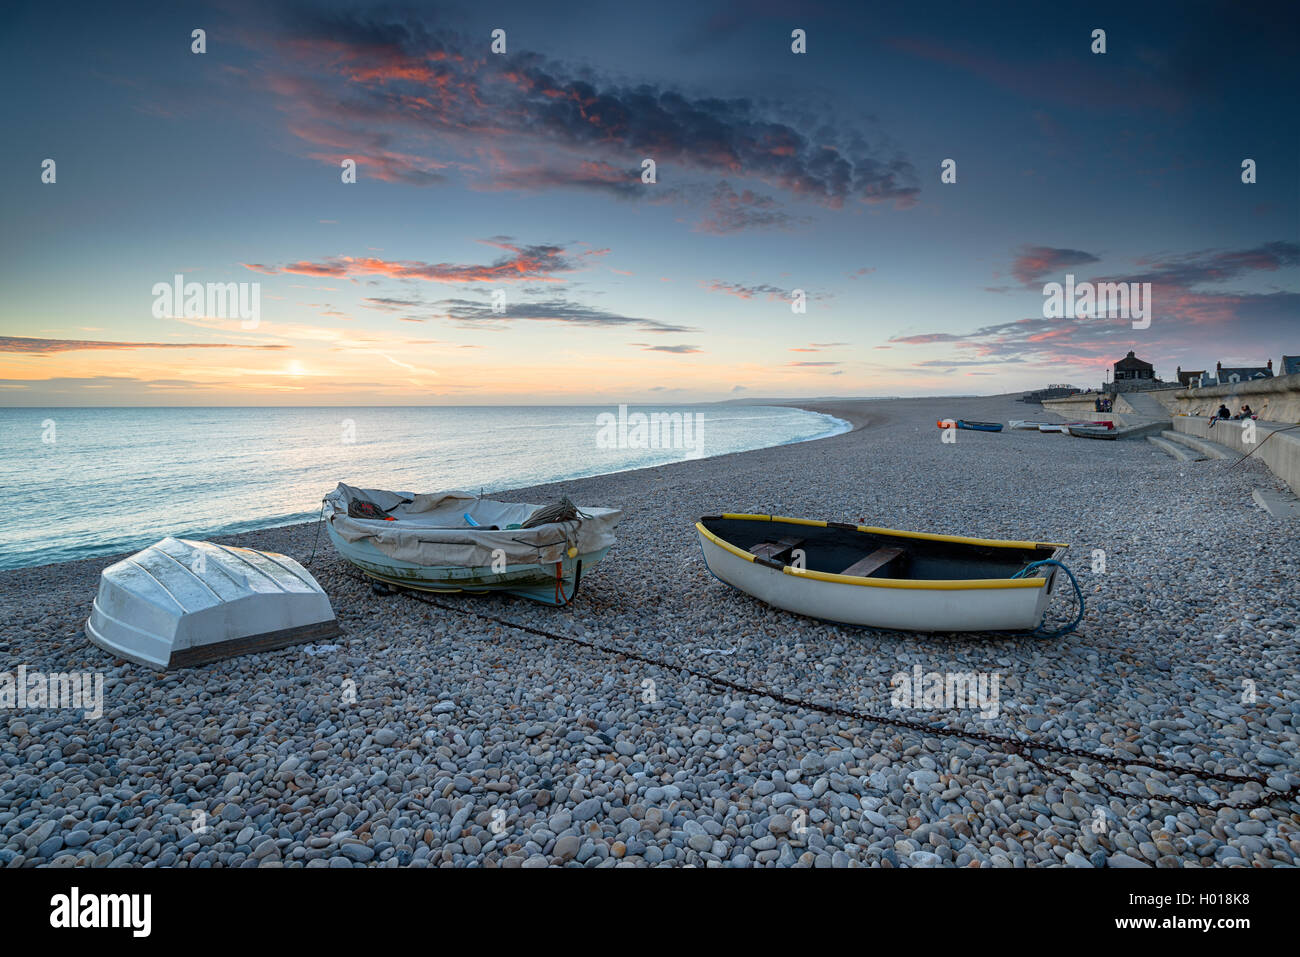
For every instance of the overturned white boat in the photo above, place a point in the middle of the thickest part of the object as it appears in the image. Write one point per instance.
(182, 602)
(455, 541)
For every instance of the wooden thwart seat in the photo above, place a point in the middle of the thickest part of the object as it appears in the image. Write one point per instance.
(863, 567)
(780, 550)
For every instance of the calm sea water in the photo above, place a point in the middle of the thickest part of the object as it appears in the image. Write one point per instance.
(85, 482)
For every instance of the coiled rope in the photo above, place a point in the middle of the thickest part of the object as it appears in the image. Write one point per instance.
(1039, 632)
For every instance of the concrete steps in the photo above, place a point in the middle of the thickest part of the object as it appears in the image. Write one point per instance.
(1281, 505)
(1140, 429)
(1276, 445)
(1208, 449)
(1176, 451)
(1144, 405)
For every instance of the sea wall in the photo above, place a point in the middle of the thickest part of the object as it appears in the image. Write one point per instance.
(1273, 400)
(1131, 409)
(1079, 408)
(1281, 451)
(1276, 401)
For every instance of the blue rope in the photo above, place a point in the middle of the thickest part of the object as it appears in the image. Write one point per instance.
(1078, 596)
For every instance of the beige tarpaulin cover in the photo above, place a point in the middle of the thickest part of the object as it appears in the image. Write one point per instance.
(430, 529)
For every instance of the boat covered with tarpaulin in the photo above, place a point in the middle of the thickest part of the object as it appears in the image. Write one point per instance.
(456, 541)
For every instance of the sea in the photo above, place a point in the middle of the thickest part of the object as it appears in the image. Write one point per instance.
(77, 483)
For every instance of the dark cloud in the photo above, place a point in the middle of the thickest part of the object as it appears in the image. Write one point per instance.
(565, 311)
(390, 304)
(1211, 266)
(951, 363)
(1188, 323)
(757, 290)
(597, 176)
(388, 83)
(98, 383)
(733, 212)
(1035, 262)
(742, 291)
(679, 349)
(48, 346)
(537, 262)
(817, 346)
(926, 338)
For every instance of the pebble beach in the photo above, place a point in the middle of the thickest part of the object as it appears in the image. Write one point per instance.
(429, 737)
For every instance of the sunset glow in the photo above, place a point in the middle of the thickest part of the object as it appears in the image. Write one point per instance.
(500, 244)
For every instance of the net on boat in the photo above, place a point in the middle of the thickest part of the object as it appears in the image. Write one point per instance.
(562, 511)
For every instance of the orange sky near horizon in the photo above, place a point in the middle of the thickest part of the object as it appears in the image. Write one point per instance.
(301, 364)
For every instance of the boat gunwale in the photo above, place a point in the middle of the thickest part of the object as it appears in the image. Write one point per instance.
(874, 530)
(1037, 580)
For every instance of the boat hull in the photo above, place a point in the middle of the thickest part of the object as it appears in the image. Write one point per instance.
(969, 426)
(181, 603)
(971, 605)
(1084, 432)
(537, 582)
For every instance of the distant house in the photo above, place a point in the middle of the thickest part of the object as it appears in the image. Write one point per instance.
(1133, 375)
(1190, 378)
(1131, 367)
(1290, 365)
(1225, 375)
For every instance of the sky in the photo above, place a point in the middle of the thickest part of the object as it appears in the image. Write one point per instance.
(501, 245)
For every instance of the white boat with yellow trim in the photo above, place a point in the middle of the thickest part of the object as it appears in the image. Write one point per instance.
(883, 578)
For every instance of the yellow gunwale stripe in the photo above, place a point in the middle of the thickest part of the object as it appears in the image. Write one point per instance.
(938, 584)
(724, 545)
(992, 542)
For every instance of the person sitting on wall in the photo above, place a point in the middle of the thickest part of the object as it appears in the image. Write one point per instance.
(1246, 413)
(1223, 413)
